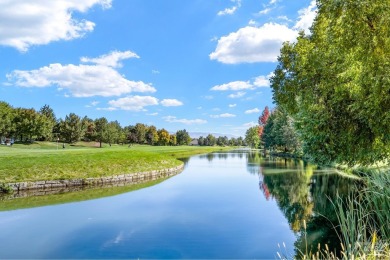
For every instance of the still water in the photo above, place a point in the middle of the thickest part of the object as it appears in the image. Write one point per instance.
(223, 205)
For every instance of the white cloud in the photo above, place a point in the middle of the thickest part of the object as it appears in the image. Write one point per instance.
(232, 105)
(112, 59)
(306, 17)
(237, 95)
(199, 108)
(252, 111)
(258, 82)
(253, 44)
(25, 23)
(235, 85)
(83, 80)
(261, 81)
(153, 114)
(225, 115)
(155, 72)
(171, 103)
(173, 119)
(231, 10)
(208, 97)
(133, 103)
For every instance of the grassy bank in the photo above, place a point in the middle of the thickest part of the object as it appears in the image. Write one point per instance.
(43, 161)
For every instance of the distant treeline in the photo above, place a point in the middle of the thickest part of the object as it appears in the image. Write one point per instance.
(27, 125)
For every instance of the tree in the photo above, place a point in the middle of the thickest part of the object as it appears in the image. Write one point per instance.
(113, 132)
(50, 120)
(151, 135)
(279, 132)
(140, 132)
(7, 114)
(101, 126)
(201, 141)
(71, 129)
(240, 141)
(89, 126)
(335, 83)
(131, 134)
(210, 140)
(252, 137)
(31, 124)
(172, 140)
(183, 137)
(163, 137)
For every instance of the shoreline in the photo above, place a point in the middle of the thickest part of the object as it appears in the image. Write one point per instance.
(49, 186)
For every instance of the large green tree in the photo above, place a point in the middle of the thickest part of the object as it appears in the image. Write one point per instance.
(335, 82)
(252, 137)
(183, 137)
(101, 128)
(72, 129)
(7, 114)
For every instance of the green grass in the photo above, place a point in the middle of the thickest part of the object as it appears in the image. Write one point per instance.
(9, 203)
(43, 161)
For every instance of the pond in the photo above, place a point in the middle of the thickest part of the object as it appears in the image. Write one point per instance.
(223, 205)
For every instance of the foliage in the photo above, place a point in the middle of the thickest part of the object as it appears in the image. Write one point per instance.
(210, 140)
(252, 137)
(183, 137)
(335, 82)
(151, 135)
(163, 137)
(280, 134)
(6, 118)
(72, 129)
(100, 130)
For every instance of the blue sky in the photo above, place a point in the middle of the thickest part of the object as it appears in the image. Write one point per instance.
(200, 65)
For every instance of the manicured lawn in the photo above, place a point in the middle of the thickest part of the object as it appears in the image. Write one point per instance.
(43, 161)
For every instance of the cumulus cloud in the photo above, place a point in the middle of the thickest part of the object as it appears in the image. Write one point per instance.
(238, 86)
(252, 44)
(112, 59)
(133, 103)
(225, 115)
(232, 105)
(262, 81)
(234, 86)
(25, 23)
(306, 17)
(252, 111)
(100, 79)
(171, 103)
(173, 119)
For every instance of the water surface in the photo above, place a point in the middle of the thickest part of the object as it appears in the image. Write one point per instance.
(223, 205)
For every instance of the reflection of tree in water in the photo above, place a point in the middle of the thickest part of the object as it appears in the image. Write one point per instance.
(254, 160)
(222, 155)
(324, 189)
(302, 195)
(290, 189)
